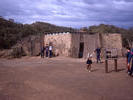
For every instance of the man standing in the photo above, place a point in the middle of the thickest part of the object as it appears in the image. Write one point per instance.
(50, 51)
(98, 52)
(129, 59)
(47, 50)
(42, 52)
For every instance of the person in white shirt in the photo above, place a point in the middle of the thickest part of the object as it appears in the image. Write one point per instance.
(89, 62)
(50, 51)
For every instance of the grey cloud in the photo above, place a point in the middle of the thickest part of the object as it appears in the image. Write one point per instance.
(128, 0)
(8, 8)
(125, 0)
(69, 12)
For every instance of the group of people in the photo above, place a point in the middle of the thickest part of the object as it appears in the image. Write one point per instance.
(89, 58)
(129, 56)
(46, 51)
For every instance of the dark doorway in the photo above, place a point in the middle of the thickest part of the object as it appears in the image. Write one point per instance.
(81, 49)
(32, 47)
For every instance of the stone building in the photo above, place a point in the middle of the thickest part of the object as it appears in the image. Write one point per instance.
(78, 45)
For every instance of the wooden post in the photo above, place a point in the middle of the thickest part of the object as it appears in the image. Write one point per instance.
(106, 66)
(115, 62)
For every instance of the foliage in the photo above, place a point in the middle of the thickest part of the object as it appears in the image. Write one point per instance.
(11, 32)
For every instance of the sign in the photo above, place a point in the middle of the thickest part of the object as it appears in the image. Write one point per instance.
(111, 53)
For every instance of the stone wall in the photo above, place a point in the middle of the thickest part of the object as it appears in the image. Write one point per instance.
(112, 41)
(68, 44)
(31, 45)
(91, 42)
(75, 45)
(61, 43)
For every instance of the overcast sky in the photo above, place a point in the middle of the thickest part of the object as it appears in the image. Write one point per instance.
(71, 13)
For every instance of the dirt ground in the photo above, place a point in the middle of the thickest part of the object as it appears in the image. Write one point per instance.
(60, 78)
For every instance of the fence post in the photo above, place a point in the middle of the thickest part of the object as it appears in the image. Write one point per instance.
(115, 62)
(106, 66)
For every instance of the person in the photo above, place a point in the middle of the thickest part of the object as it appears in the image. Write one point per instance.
(42, 52)
(127, 56)
(129, 60)
(98, 52)
(47, 50)
(89, 62)
(50, 51)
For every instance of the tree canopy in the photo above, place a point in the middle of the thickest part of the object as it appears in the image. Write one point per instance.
(11, 32)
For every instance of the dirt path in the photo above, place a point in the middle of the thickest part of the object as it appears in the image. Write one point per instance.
(62, 79)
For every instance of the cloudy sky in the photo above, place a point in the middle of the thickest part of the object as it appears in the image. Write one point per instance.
(71, 13)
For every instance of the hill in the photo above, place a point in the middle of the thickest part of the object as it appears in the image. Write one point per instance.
(11, 32)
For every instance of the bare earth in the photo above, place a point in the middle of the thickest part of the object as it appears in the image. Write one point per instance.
(60, 78)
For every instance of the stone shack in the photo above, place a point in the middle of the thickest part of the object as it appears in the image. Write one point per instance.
(78, 45)
(31, 45)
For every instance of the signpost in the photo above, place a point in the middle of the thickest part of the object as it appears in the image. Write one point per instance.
(111, 54)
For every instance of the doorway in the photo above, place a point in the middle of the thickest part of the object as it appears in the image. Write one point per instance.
(81, 49)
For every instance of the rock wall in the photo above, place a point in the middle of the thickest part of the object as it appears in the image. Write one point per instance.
(90, 42)
(65, 44)
(112, 41)
(61, 43)
(31, 45)
(75, 45)
(69, 44)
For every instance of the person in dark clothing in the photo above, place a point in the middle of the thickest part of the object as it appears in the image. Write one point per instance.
(42, 52)
(127, 56)
(129, 59)
(98, 52)
(47, 50)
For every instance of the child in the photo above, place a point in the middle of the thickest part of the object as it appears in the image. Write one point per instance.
(89, 62)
